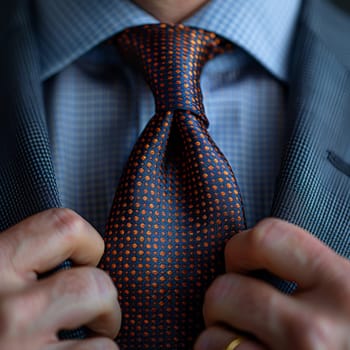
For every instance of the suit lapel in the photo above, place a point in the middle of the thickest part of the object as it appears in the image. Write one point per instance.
(312, 191)
(27, 181)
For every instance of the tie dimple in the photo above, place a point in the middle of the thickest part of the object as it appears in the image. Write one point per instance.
(177, 202)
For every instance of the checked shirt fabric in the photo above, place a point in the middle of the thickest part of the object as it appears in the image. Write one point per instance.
(177, 202)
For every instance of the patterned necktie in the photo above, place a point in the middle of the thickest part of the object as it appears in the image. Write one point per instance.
(177, 202)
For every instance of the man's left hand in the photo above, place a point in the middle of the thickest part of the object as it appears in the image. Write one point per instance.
(315, 316)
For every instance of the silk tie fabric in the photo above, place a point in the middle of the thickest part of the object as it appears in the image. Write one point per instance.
(177, 202)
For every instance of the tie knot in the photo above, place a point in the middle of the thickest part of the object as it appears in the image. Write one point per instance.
(172, 58)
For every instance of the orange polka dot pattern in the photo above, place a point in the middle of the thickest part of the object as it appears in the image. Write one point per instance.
(177, 202)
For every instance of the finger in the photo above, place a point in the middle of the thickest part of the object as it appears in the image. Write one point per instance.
(88, 344)
(218, 338)
(41, 242)
(66, 300)
(89, 298)
(283, 249)
(250, 306)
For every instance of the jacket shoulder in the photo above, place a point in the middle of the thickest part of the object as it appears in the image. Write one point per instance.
(331, 25)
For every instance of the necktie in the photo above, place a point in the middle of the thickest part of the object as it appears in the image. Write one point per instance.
(177, 202)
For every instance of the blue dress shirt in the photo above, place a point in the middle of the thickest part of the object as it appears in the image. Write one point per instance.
(97, 104)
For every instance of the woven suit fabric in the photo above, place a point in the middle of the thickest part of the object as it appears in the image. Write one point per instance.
(177, 202)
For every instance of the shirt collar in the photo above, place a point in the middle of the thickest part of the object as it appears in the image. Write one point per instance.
(265, 29)
(67, 29)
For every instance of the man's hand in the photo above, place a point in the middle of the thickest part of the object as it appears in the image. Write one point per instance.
(316, 316)
(32, 311)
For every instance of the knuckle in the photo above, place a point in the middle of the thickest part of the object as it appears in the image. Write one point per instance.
(76, 282)
(72, 228)
(106, 287)
(105, 293)
(66, 222)
(213, 290)
(88, 283)
(262, 234)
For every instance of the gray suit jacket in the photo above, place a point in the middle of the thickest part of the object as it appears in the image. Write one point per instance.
(314, 182)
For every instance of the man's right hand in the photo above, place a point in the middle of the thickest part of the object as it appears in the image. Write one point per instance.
(32, 311)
